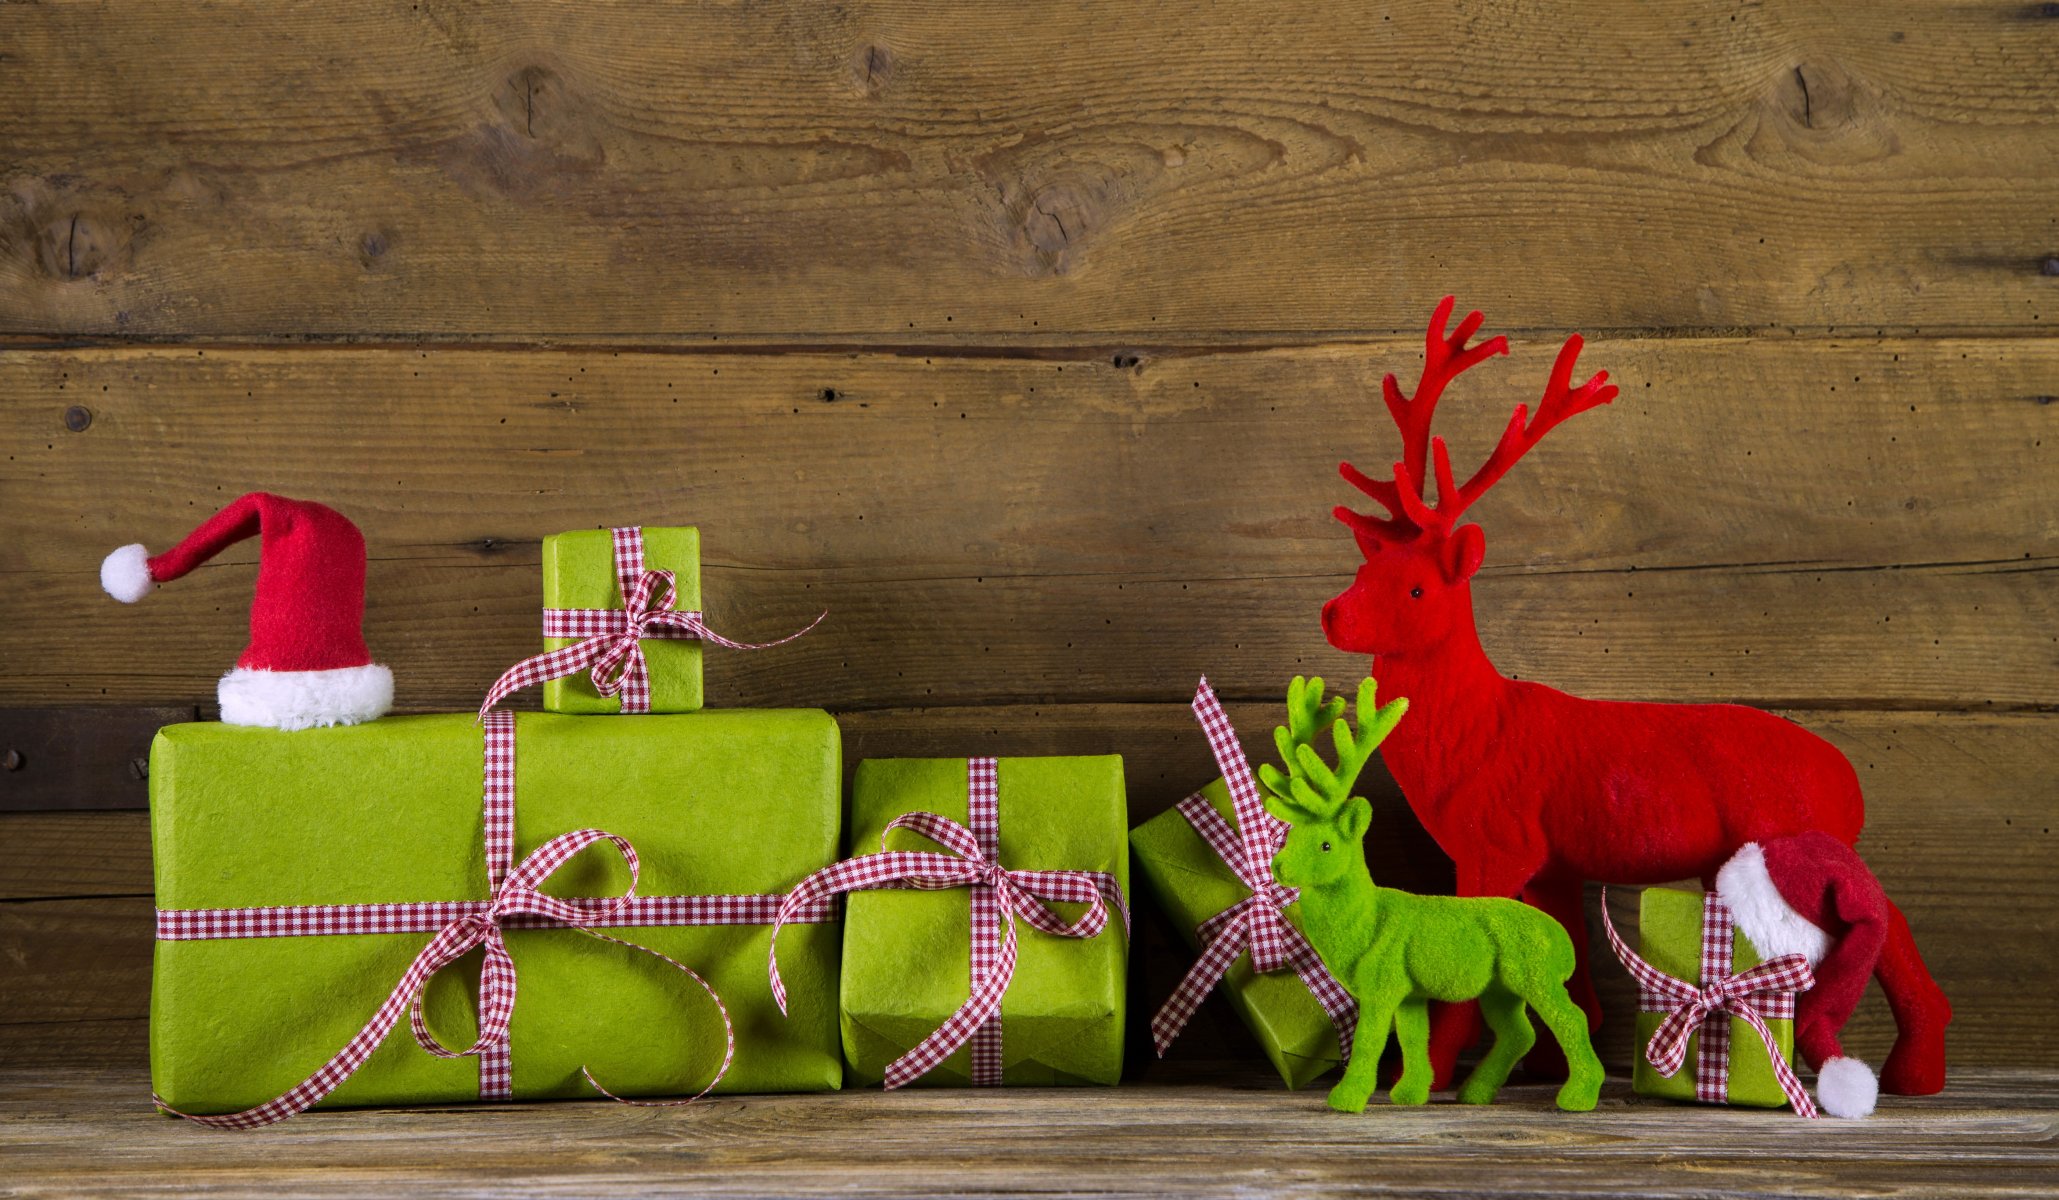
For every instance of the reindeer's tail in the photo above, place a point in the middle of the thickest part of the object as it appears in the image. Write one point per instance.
(1916, 1066)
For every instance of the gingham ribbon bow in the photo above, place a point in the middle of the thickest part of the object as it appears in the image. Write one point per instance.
(611, 645)
(1763, 993)
(999, 896)
(460, 925)
(1257, 923)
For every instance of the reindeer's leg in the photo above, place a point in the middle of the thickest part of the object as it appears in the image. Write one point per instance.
(1569, 1025)
(1916, 1066)
(1564, 900)
(1412, 1033)
(1453, 1027)
(1513, 1034)
(1362, 1073)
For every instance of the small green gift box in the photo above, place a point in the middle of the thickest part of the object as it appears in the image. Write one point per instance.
(586, 570)
(908, 953)
(1192, 884)
(725, 811)
(1670, 940)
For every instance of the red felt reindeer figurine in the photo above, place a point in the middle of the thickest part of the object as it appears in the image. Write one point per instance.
(1532, 791)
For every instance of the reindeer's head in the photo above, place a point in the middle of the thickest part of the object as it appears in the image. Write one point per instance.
(1413, 588)
(1325, 821)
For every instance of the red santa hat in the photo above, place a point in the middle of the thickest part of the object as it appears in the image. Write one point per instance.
(306, 664)
(1809, 894)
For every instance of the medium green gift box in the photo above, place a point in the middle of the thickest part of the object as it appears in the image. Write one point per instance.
(908, 954)
(1192, 883)
(722, 802)
(579, 571)
(1669, 931)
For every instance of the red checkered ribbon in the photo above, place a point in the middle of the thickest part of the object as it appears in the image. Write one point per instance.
(462, 925)
(1761, 994)
(611, 645)
(999, 896)
(1257, 923)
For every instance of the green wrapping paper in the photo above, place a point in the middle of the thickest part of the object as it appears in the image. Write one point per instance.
(1191, 884)
(1669, 931)
(908, 954)
(720, 802)
(579, 572)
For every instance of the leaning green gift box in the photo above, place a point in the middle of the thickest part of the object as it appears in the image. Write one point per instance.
(1193, 885)
(1209, 864)
(585, 571)
(724, 811)
(1057, 827)
(1670, 940)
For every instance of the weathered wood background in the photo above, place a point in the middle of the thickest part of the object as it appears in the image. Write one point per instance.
(1025, 338)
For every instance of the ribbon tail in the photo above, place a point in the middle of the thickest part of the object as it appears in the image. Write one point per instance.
(551, 664)
(709, 635)
(1790, 1084)
(981, 1006)
(721, 1010)
(1201, 979)
(330, 1075)
(1337, 1003)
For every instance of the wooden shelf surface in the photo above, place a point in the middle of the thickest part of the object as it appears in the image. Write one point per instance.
(1222, 1132)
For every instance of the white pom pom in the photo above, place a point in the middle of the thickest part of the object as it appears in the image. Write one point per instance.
(126, 573)
(1845, 1087)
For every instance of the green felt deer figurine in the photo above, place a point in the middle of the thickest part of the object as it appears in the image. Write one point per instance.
(1396, 951)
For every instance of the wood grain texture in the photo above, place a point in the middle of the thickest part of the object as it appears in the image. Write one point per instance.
(1951, 798)
(1793, 523)
(92, 1132)
(909, 172)
(78, 758)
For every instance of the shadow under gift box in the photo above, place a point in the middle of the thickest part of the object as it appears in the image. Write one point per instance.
(732, 801)
(908, 954)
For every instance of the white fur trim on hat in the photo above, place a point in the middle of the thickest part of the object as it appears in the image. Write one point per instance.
(1845, 1087)
(305, 699)
(126, 573)
(1771, 925)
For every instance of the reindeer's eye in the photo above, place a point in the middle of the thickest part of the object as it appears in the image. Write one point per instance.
(1326, 847)
(1415, 593)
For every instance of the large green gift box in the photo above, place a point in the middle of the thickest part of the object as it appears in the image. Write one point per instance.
(579, 572)
(908, 954)
(1191, 883)
(1669, 932)
(718, 802)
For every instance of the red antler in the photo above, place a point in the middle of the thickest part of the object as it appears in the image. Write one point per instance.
(1404, 496)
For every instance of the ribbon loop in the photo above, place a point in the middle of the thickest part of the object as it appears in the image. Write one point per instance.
(610, 649)
(1755, 996)
(1258, 923)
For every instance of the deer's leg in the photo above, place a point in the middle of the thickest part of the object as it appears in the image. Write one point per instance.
(1916, 1065)
(1453, 1027)
(1513, 1034)
(1412, 1033)
(1569, 1025)
(1565, 902)
(1362, 1073)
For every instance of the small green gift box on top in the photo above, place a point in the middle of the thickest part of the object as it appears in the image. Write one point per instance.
(591, 571)
(1208, 864)
(1672, 928)
(303, 879)
(622, 622)
(916, 961)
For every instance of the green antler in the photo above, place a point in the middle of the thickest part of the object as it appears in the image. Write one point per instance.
(1310, 784)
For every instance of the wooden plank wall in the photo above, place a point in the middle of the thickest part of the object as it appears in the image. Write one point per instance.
(1025, 339)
